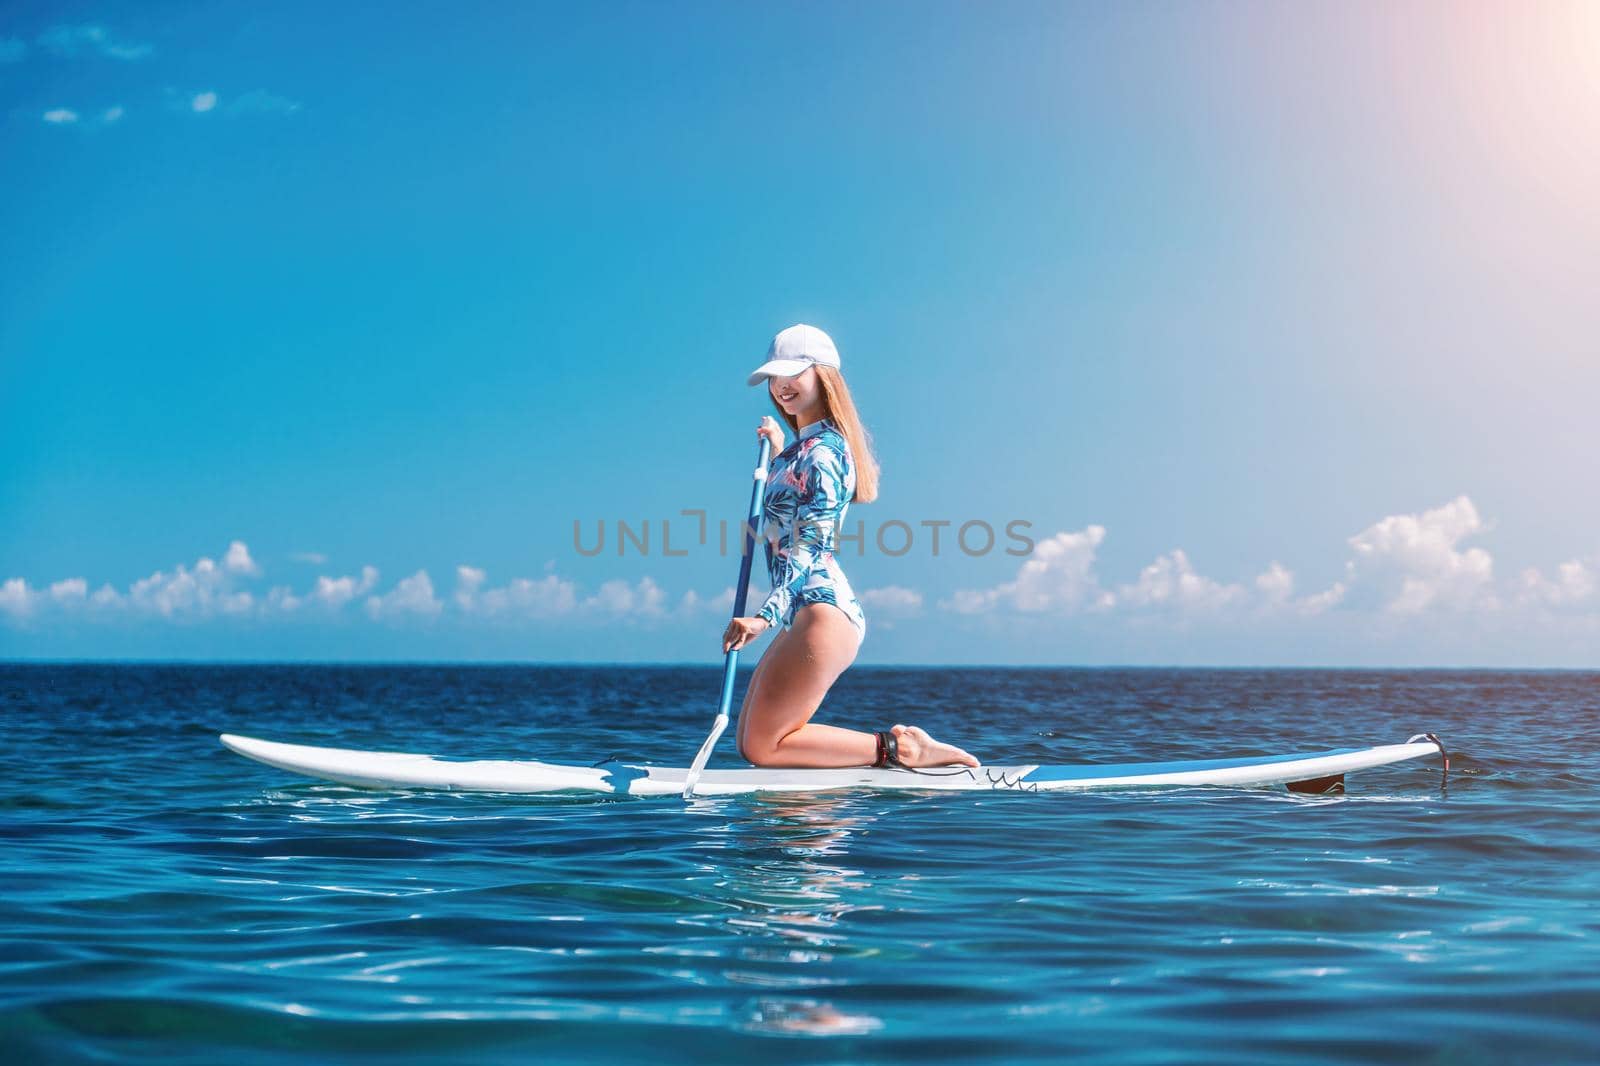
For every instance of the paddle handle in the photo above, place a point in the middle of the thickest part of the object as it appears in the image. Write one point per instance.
(730, 665)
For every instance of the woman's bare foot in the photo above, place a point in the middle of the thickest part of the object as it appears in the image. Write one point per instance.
(917, 748)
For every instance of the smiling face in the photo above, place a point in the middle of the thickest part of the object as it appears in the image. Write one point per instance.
(800, 397)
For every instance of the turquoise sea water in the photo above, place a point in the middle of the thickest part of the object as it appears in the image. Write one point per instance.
(166, 901)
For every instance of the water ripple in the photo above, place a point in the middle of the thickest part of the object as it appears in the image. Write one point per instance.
(222, 910)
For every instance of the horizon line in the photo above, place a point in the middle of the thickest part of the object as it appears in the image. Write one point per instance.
(1392, 668)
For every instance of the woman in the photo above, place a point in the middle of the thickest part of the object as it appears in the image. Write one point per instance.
(810, 485)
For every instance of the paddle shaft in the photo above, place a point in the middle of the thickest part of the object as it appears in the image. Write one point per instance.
(747, 551)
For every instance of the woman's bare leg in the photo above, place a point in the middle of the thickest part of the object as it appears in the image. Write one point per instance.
(775, 726)
(788, 686)
(750, 689)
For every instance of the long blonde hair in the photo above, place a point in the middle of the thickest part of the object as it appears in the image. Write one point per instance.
(841, 411)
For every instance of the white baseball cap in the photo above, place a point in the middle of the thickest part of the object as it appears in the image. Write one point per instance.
(793, 350)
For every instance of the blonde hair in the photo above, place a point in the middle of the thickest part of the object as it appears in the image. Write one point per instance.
(841, 411)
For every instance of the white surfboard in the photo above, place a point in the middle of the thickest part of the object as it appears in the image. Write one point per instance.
(1321, 771)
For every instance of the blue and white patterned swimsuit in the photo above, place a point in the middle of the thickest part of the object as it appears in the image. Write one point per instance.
(809, 485)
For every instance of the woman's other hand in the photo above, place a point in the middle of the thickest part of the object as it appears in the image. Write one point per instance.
(742, 631)
(770, 429)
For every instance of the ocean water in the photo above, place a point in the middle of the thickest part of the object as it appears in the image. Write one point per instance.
(162, 900)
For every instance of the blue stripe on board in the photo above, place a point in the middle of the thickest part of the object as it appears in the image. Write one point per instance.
(1136, 769)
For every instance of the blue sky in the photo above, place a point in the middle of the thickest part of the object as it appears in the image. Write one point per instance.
(1277, 324)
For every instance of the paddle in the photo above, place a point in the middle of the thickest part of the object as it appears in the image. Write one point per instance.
(747, 551)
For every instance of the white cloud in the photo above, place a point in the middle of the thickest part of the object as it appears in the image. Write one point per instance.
(1276, 584)
(1575, 583)
(282, 598)
(547, 597)
(893, 600)
(1059, 575)
(1327, 599)
(252, 103)
(73, 41)
(335, 592)
(314, 558)
(189, 593)
(61, 116)
(468, 580)
(412, 596)
(1171, 581)
(622, 600)
(1274, 589)
(16, 599)
(1400, 565)
(237, 560)
(1414, 562)
(72, 590)
(112, 114)
(12, 50)
(721, 603)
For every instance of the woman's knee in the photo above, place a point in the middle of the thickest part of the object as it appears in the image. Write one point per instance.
(758, 750)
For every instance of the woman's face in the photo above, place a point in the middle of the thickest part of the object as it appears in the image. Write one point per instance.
(799, 395)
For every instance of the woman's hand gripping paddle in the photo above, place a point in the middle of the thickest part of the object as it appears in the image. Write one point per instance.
(747, 550)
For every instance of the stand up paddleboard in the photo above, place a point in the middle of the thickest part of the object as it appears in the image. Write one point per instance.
(1316, 772)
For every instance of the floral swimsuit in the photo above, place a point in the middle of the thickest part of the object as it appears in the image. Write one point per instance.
(809, 485)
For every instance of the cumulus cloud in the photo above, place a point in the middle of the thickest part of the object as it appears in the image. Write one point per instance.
(1171, 581)
(412, 597)
(204, 590)
(16, 599)
(1414, 562)
(212, 588)
(548, 597)
(60, 116)
(281, 598)
(468, 580)
(893, 600)
(1327, 599)
(203, 102)
(70, 42)
(553, 596)
(693, 603)
(1575, 583)
(1059, 575)
(237, 560)
(335, 592)
(619, 599)
(72, 590)
(1401, 565)
(1276, 584)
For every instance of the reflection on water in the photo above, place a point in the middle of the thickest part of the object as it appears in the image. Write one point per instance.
(778, 862)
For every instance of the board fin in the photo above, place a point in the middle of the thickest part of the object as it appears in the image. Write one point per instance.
(1333, 784)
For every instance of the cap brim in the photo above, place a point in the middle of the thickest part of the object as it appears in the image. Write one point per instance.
(778, 368)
